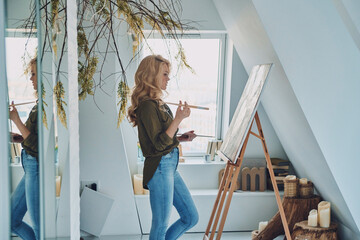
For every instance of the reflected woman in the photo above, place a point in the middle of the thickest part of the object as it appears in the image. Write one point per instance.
(157, 130)
(26, 195)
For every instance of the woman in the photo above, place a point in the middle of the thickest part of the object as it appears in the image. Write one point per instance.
(26, 196)
(157, 129)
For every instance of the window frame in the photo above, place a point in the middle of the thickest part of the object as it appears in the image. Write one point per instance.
(222, 36)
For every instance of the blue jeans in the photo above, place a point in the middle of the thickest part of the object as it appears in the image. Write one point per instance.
(167, 189)
(26, 197)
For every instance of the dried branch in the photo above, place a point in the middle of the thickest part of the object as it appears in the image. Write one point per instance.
(98, 20)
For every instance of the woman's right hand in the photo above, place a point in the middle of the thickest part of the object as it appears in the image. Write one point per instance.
(182, 112)
(16, 138)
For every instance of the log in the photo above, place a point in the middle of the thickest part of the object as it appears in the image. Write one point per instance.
(315, 233)
(296, 210)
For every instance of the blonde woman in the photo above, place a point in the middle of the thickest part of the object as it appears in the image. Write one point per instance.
(26, 195)
(157, 130)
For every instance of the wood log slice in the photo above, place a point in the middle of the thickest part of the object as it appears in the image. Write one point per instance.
(296, 210)
(315, 233)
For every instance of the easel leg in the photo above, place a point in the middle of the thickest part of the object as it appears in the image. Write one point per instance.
(233, 184)
(273, 181)
(221, 187)
(231, 176)
(228, 201)
(224, 191)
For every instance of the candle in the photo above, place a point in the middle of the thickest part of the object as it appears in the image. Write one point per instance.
(138, 180)
(313, 218)
(324, 214)
(262, 225)
(303, 181)
(290, 177)
(58, 185)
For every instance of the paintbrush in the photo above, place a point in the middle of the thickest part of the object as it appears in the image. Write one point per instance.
(190, 106)
(179, 134)
(18, 104)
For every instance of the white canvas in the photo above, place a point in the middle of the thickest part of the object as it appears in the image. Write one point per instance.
(244, 113)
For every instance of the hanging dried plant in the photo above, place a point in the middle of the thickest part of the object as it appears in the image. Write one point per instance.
(44, 118)
(59, 93)
(98, 23)
(123, 94)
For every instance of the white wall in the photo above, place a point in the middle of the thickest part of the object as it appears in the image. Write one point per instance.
(348, 10)
(320, 57)
(280, 101)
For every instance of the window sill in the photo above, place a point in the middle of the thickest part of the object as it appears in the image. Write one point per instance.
(200, 161)
(195, 161)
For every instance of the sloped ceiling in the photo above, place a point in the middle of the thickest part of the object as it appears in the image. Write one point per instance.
(311, 90)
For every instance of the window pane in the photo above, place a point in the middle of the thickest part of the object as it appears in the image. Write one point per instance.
(19, 52)
(197, 89)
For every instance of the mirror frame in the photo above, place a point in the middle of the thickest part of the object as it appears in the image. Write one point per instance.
(4, 139)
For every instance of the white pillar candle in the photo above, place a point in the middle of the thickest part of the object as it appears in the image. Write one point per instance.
(324, 214)
(303, 181)
(138, 180)
(313, 218)
(290, 177)
(262, 225)
(58, 185)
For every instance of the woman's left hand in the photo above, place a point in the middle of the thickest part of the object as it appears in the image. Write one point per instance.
(187, 137)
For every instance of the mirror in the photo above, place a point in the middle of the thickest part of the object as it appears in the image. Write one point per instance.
(20, 48)
(37, 213)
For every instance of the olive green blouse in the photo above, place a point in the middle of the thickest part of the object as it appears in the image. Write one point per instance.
(30, 144)
(153, 121)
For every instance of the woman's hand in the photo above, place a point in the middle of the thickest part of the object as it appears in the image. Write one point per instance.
(182, 112)
(13, 114)
(187, 137)
(16, 138)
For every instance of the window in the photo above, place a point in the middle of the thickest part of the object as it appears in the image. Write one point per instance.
(205, 54)
(19, 51)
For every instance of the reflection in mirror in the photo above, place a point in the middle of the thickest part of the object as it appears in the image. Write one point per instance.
(34, 214)
(55, 140)
(24, 167)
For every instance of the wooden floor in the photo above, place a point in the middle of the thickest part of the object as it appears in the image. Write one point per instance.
(190, 236)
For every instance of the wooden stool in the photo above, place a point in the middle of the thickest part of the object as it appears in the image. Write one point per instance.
(315, 233)
(254, 234)
(296, 210)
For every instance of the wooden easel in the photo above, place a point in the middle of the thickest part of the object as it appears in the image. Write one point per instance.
(229, 179)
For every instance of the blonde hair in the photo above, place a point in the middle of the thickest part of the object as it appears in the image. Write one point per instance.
(147, 83)
(29, 65)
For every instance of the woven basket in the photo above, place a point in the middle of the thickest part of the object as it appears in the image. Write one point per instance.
(306, 190)
(291, 189)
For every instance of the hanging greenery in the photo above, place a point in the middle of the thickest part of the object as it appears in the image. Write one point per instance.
(98, 22)
(59, 93)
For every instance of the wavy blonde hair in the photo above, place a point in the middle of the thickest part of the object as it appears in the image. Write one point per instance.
(147, 83)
